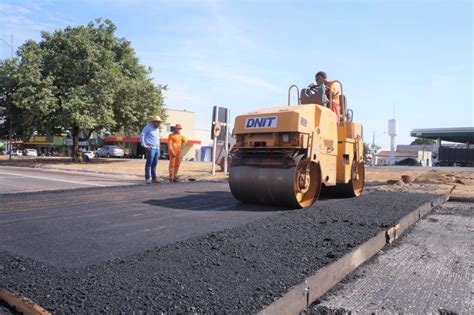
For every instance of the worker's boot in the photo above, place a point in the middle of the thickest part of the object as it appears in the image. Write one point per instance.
(175, 177)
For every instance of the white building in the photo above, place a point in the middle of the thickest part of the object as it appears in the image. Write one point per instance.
(405, 158)
(185, 118)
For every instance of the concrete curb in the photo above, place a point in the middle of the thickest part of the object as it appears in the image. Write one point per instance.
(299, 298)
(467, 199)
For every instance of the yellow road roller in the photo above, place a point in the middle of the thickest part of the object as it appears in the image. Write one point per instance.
(284, 156)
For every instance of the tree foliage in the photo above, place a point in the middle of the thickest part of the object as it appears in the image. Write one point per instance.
(366, 148)
(371, 149)
(80, 79)
(423, 141)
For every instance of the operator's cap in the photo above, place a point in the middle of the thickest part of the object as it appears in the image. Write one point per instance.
(178, 126)
(156, 118)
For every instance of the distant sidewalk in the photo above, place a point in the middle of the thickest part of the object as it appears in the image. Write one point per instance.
(120, 167)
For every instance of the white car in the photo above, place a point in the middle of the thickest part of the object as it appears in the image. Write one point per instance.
(110, 151)
(15, 153)
(89, 154)
(31, 152)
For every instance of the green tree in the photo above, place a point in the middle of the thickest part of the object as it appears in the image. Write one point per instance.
(366, 148)
(81, 79)
(423, 141)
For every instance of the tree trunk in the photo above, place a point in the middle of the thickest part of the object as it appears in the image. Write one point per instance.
(75, 144)
(89, 134)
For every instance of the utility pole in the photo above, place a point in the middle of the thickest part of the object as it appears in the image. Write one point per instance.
(11, 124)
(373, 147)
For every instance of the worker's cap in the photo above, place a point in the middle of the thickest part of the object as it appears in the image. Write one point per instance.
(321, 74)
(178, 126)
(156, 118)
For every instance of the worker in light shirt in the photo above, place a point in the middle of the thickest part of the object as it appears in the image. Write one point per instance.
(150, 141)
(176, 142)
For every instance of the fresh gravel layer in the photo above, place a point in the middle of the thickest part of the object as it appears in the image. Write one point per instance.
(238, 270)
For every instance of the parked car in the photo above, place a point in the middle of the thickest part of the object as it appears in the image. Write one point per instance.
(15, 153)
(31, 152)
(89, 154)
(110, 151)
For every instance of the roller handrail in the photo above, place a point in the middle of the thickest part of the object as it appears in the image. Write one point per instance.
(344, 110)
(298, 95)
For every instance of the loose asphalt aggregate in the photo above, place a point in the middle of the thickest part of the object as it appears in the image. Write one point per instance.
(237, 269)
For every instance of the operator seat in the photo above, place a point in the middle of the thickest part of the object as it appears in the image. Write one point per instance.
(315, 95)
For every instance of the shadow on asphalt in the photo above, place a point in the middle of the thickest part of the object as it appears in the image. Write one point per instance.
(210, 201)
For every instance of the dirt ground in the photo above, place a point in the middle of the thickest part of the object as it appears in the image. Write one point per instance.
(435, 180)
(130, 167)
(431, 180)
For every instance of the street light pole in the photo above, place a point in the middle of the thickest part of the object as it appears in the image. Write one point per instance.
(373, 147)
(11, 124)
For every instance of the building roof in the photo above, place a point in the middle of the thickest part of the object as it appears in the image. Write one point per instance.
(456, 134)
(179, 110)
(398, 154)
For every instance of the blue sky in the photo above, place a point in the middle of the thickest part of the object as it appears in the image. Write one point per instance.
(416, 55)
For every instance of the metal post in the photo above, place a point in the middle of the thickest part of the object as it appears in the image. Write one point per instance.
(11, 116)
(11, 127)
(214, 144)
(373, 152)
(226, 142)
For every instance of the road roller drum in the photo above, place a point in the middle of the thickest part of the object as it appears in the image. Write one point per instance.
(295, 187)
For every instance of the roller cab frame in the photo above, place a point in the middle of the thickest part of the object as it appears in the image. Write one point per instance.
(285, 155)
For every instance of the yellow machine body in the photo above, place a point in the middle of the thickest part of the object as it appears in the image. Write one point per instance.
(283, 154)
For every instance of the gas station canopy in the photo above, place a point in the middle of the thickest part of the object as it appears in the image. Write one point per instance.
(459, 135)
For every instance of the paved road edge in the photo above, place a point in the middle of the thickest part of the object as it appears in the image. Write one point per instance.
(301, 296)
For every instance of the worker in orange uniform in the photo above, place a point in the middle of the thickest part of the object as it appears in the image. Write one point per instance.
(176, 142)
(333, 90)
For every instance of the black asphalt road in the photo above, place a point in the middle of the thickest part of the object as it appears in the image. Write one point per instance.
(25, 179)
(82, 227)
(178, 248)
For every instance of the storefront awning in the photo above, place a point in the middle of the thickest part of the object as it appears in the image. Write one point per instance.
(459, 135)
(137, 140)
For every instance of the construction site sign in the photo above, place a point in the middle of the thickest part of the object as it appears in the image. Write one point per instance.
(220, 119)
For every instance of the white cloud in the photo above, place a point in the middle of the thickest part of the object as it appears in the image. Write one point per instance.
(61, 21)
(13, 9)
(180, 95)
(231, 75)
(23, 22)
(26, 22)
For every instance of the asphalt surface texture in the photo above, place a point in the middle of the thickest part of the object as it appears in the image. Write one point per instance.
(429, 270)
(24, 179)
(176, 248)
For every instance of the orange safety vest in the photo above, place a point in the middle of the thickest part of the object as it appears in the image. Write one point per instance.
(176, 142)
(334, 90)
